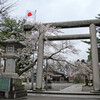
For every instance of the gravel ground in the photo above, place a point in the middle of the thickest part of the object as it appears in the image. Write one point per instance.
(87, 88)
(59, 86)
(55, 86)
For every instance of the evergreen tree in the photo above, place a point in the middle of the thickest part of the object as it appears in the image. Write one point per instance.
(98, 43)
(9, 26)
(89, 49)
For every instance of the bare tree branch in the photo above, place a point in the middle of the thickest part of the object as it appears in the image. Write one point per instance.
(27, 68)
(5, 6)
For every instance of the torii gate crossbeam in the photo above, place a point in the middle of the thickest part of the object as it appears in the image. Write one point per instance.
(67, 37)
(75, 24)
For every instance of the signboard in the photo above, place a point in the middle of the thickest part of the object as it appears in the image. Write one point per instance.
(4, 84)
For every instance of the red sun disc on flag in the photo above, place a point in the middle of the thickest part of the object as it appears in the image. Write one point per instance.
(29, 14)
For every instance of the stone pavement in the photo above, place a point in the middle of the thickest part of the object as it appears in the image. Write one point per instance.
(57, 97)
(61, 97)
(55, 86)
(72, 92)
(72, 89)
(61, 88)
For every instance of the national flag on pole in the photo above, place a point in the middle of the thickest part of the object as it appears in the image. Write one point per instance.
(31, 16)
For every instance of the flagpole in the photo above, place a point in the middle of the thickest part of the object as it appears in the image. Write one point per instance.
(32, 79)
(35, 16)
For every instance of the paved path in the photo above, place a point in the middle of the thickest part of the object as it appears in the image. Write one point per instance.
(59, 87)
(57, 97)
(55, 86)
(63, 88)
(60, 97)
(72, 89)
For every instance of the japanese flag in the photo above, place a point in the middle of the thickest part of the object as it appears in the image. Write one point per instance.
(31, 16)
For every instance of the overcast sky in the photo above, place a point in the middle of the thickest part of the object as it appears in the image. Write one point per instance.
(61, 10)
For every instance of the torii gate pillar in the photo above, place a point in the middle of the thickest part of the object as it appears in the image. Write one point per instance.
(39, 74)
(96, 74)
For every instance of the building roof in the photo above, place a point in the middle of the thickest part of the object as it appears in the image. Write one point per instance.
(54, 70)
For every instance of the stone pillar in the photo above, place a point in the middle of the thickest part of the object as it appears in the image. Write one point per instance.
(96, 75)
(40, 63)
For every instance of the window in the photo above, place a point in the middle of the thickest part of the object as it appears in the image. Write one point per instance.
(10, 48)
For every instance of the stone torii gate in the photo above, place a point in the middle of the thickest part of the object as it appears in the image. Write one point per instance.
(71, 24)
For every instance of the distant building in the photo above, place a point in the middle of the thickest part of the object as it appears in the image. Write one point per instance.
(55, 75)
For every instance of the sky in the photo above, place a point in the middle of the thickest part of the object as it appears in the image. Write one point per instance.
(60, 11)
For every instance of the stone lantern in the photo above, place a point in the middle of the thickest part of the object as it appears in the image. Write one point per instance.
(11, 46)
(10, 83)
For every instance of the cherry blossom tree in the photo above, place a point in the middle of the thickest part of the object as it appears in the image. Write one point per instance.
(80, 68)
(53, 51)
